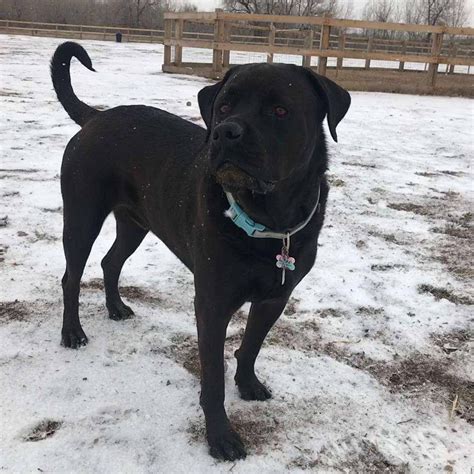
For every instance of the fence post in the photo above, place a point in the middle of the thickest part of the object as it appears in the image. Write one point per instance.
(401, 66)
(369, 49)
(324, 44)
(435, 50)
(342, 43)
(226, 53)
(454, 51)
(218, 38)
(178, 49)
(308, 44)
(166, 41)
(271, 43)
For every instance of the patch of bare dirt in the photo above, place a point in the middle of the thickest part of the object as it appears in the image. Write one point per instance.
(43, 430)
(391, 238)
(184, 351)
(452, 173)
(361, 165)
(455, 228)
(432, 377)
(454, 231)
(128, 291)
(291, 307)
(94, 284)
(13, 311)
(303, 336)
(418, 375)
(454, 340)
(432, 174)
(3, 251)
(385, 267)
(369, 310)
(445, 293)
(19, 170)
(258, 425)
(330, 313)
(336, 182)
(43, 236)
(410, 207)
(455, 249)
(426, 174)
(363, 458)
(57, 210)
(11, 194)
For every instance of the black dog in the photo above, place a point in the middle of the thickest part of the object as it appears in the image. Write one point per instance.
(263, 155)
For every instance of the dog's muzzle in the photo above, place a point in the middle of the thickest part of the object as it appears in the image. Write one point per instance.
(233, 178)
(228, 160)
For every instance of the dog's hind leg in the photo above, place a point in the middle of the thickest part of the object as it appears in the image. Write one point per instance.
(261, 318)
(83, 219)
(129, 236)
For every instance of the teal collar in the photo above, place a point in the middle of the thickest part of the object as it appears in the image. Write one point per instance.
(253, 229)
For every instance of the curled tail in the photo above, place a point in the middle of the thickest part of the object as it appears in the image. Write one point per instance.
(60, 63)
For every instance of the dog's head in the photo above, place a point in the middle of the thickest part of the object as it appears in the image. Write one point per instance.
(264, 122)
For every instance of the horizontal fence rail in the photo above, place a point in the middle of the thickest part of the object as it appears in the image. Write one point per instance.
(61, 30)
(319, 37)
(353, 44)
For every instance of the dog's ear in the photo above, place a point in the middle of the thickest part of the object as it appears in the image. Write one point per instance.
(336, 98)
(207, 97)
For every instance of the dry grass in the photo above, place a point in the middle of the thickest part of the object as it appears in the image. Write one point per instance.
(444, 293)
(134, 293)
(257, 424)
(184, 351)
(13, 311)
(406, 82)
(43, 430)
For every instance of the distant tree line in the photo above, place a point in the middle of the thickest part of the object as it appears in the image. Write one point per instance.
(427, 12)
(149, 13)
(130, 13)
(332, 8)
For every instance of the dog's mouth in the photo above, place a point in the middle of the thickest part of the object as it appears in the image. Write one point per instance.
(234, 179)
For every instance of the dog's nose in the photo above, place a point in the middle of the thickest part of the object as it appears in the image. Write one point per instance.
(227, 133)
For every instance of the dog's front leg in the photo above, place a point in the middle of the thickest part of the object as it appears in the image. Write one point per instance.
(261, 318)
(213, 313)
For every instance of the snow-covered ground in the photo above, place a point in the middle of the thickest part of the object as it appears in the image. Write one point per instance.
(371, 365)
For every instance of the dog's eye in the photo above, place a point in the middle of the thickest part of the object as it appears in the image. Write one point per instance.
(224, 108)
(280, 111)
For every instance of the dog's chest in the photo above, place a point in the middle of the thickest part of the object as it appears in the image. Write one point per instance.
(266, 277)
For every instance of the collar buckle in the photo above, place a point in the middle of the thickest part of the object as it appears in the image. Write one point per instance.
(241, 219)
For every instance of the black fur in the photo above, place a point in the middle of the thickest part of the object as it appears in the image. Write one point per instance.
(60, 63)
(157, 172)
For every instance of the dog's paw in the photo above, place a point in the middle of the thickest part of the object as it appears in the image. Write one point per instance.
(253, 390)
(119, 311)
(226, 446)
(73, 338)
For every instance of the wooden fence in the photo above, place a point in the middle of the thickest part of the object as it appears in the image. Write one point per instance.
(60, 30)
(309, 37)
